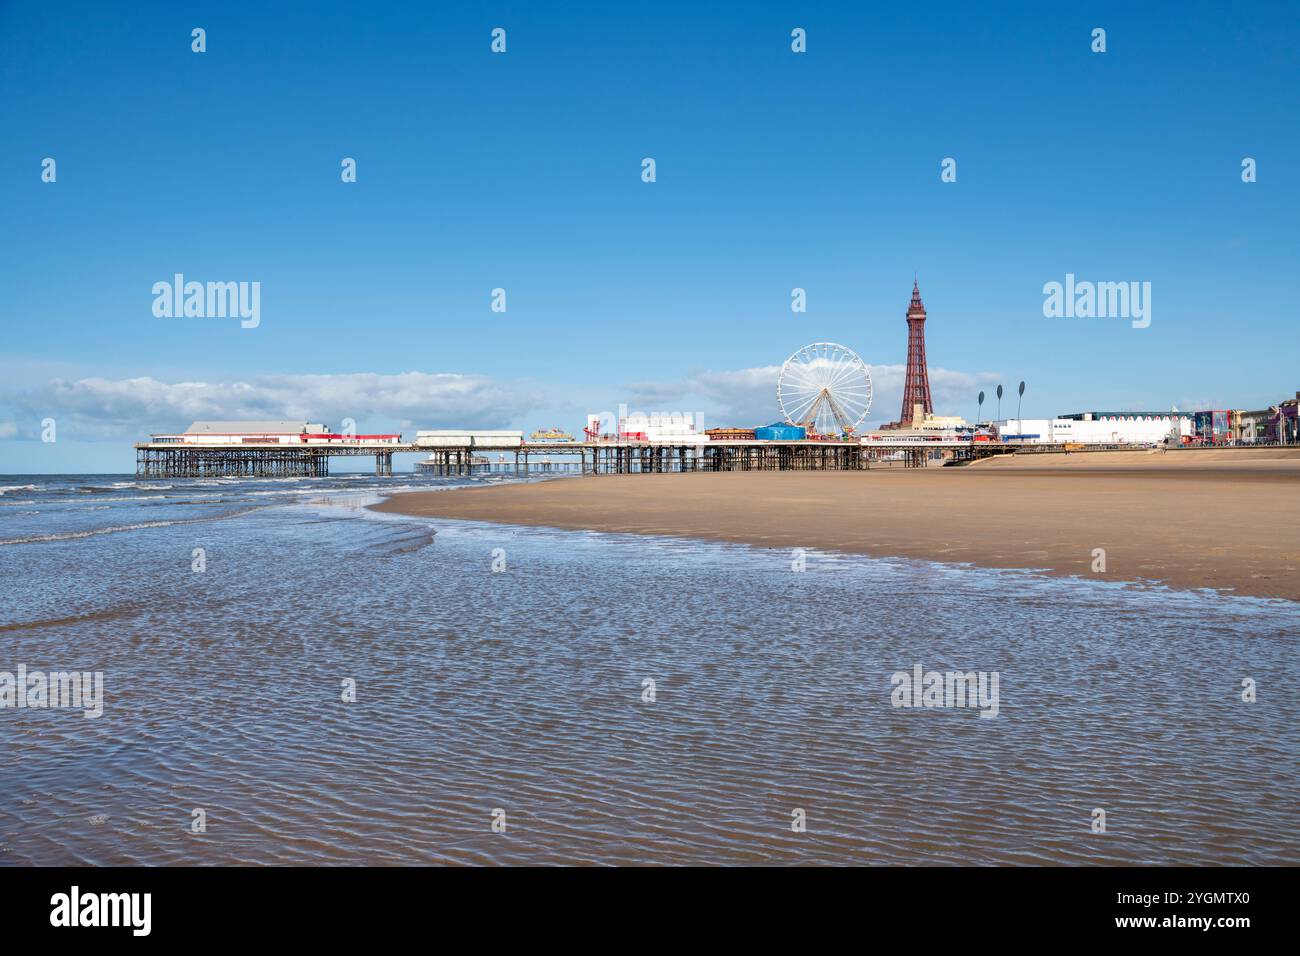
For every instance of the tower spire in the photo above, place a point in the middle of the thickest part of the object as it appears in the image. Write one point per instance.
(916, 386)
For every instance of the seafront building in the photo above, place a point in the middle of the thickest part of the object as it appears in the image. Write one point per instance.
(267, 433)
(1284, 425)
(1252, 426)
(1098, 428)
(923, 426)
(468, 438)
(676, 428)
(1276, 424)
(231, 433)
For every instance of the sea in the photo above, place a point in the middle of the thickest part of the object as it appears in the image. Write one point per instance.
(289, 678)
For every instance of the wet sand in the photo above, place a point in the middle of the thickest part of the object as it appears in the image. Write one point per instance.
(1226, 519)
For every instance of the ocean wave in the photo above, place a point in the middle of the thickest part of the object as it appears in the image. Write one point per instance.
(114, 529)
(69, 535)
(75, 504)
(121, 486)
(4, 489)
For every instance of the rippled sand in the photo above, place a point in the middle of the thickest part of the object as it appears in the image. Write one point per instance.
(1228, 520)
(523, 691)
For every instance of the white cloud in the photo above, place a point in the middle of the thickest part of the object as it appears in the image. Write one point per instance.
(91, 409)
(951, 391)
(128, 409)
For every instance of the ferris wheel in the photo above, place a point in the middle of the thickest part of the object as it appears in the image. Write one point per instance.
(825, 387)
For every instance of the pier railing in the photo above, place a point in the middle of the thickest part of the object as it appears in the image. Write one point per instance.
(182, 460)
(170, 460)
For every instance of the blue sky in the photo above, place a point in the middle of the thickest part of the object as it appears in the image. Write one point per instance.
(522, 171)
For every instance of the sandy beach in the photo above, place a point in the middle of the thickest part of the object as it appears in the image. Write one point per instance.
(1223, 519)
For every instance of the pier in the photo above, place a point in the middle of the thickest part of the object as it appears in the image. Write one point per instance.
(177, 460)
(174, 460)
(627, 458)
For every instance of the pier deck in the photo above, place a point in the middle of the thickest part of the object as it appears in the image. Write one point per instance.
(177, 460)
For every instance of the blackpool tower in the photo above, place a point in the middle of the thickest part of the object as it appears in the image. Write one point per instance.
(916, 387)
